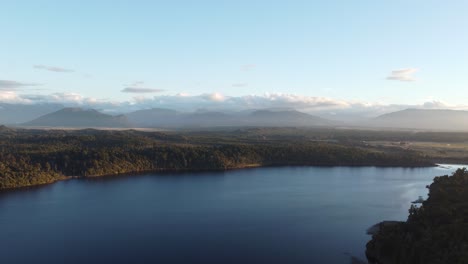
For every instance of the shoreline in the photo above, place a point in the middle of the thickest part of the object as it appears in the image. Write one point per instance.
(247, 166)
(431, 232)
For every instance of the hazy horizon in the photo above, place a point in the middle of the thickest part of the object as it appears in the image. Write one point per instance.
(327, 58)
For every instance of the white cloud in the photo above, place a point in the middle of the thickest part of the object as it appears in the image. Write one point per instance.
(214, 97)
(404, 75)
(434, 104)
(10, 97)
(219, 102)
(51, 68)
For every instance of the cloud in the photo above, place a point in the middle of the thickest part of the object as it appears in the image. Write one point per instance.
(10, 97)
(322, 106)
(140, 90)
(240, 84)
(404, 75)
(214, 97)
(137, 87)
(434, 104)
(65, 98)
(187, 102)
(218, 101)
(7, 85)
(51, 68)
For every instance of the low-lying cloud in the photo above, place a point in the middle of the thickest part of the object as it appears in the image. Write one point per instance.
(214, 97)
(323, 106)
(51, 68)
(404, 75)
(434, 104)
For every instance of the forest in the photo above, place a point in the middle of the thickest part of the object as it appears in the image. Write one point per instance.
(34, 157)
(436, 232)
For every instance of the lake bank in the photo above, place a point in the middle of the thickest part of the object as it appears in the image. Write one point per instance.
(30, 157)
(435, 232)
(240, 167)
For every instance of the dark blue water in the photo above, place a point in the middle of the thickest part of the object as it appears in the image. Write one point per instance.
(265, 215)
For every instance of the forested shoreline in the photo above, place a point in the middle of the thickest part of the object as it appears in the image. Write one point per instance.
(436, 232)
(33, 157)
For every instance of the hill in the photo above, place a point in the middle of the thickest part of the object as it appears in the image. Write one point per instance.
(436, 232)
(157, 117)
(152, 117)
(78, 117)
(285, 118)
(432, 119)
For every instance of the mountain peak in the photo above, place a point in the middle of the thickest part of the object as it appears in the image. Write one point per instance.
(426, 119)
(263, 117)
(79, 117)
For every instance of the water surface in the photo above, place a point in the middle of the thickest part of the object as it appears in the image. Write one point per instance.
(264, 215)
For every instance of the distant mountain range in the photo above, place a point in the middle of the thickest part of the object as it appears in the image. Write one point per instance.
(152, 117)
(78, 117)
(424, 119)
(165, 118)
(418, 119)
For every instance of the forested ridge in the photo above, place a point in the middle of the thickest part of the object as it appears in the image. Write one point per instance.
(32, 157)
(435, 233)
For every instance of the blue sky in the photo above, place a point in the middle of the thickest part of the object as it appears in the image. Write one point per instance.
(339, 50)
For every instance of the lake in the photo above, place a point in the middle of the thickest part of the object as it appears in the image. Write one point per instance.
(262, 215)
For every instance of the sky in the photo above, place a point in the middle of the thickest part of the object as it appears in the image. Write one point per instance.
(237, 54)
